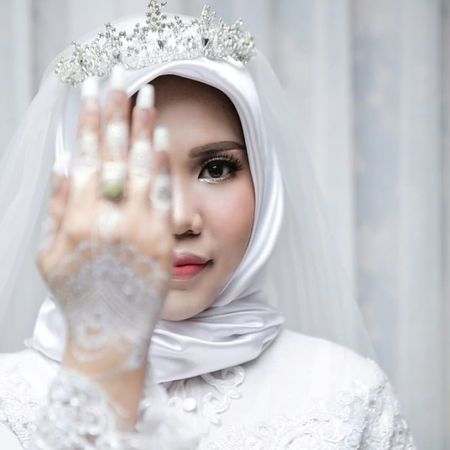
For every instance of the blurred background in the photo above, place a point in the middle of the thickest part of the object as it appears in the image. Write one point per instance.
(369, 81)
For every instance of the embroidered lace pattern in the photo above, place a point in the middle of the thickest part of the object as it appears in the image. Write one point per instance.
(19, 405)
(223, 387)
(108, 297)
(78, 416)
(362, 418)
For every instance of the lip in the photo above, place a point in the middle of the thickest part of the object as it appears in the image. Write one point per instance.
(187, 266)
(182, 259)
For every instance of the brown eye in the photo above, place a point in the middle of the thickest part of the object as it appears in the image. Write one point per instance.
(219, 168)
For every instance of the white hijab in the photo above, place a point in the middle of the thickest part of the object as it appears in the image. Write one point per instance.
(291, 260)
(239, 325)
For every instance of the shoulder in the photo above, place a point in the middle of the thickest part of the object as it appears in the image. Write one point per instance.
(28, 367)
(326, 363)
(24, 380)
(315, 383)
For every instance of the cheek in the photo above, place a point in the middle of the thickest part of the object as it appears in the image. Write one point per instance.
(228, 213)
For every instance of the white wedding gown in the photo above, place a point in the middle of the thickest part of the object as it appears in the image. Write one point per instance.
(301, 393)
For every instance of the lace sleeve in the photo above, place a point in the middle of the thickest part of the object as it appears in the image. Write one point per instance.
(386, 428)
(78, 414)
(84, 418)
(19, 402)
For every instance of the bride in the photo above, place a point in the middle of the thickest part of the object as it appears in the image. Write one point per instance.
(183, 216)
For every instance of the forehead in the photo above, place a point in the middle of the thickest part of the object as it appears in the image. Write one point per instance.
(186, 102)
(173, 88)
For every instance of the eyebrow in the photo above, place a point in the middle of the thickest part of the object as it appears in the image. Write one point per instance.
(215, 147)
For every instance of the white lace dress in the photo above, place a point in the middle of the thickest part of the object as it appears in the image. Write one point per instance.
(302, 393)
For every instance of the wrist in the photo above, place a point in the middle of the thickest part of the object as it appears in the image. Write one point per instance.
(122, 385)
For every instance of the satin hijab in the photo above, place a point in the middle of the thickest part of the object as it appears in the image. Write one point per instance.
(239, 326)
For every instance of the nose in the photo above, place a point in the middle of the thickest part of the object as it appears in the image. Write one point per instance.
(186, 217)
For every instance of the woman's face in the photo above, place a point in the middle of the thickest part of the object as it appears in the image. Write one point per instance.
(213, 197)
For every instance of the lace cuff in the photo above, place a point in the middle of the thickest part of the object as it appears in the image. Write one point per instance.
(78, 416)
(17, 406)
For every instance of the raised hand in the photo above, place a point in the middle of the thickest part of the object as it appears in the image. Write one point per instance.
(107, 255)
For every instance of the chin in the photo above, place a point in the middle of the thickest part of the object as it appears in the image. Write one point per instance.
(177, 307)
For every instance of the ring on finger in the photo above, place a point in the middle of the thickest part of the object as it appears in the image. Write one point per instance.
(114, 169)
(113, 177)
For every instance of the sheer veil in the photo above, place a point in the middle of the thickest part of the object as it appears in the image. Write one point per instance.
(304, 278)
(308, 281)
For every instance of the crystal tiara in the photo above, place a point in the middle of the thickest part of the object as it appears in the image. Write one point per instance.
(160, 39)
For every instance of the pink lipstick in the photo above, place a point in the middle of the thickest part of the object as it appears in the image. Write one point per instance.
(188, 265)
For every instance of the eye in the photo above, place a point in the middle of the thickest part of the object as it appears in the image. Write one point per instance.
(219, 168)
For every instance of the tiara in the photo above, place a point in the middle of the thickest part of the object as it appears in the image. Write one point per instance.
(160, 39)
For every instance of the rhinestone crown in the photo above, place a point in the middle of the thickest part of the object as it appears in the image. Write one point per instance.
(160, 39)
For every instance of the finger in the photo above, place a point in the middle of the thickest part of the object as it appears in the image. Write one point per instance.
(144, 108)
(58, 201)
(115, 139)
(61, 185)
(85, 162)
(56, 207)
(161, 185)
(139, 160)
(117, 104)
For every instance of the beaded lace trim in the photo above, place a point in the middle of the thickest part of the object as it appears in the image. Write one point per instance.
(189, 395)
(362, 418)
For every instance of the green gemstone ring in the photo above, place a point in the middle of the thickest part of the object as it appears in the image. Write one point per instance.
(113, 190)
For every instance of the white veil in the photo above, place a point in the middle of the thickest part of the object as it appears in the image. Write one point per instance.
(304, 278)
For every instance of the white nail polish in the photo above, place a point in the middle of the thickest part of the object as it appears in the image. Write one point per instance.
(146, 97)
(89, 88)
(117, 80)
(161, 139)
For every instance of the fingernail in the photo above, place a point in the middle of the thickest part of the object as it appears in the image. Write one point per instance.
(161, 139)
(89, 88)
(146, 97)
(117, 80)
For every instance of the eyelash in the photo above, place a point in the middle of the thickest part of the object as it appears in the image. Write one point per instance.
(233, 164)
